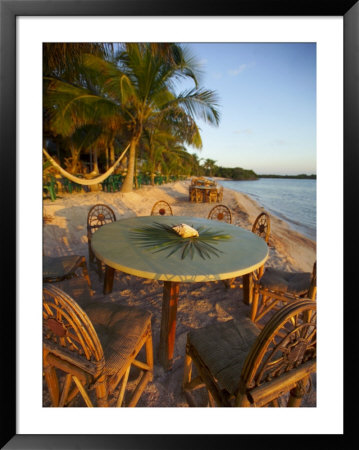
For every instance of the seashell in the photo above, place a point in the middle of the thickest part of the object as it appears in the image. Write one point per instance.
(185, 230)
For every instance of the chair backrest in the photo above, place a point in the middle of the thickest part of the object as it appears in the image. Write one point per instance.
(68, 332)
(283, 353)
(261, 226)
(220, 212)
(161, 208)
(99, 215)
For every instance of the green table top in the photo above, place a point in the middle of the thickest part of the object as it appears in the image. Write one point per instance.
(117, 245)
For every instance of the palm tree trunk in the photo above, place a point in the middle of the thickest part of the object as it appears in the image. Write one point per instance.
(127, 185)
(112, 153)
(107, 161)
(75, 154)
(95, 161)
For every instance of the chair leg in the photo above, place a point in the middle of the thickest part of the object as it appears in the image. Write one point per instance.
(297, 393)
(254, 307)
(149, 354)
(101, 391)
(83, 392)
(187, 377)
(247, 288)
(211, 401)
(242, 401)
(86, 274)
(229, 283)
(65, 390)
(99, 268)
(123, 387)
(187, 373)
(52, 384)
(91, 254)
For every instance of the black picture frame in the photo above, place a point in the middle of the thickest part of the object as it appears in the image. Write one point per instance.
(9, 10)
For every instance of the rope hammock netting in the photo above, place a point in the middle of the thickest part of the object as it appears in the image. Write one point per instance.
(84, 181)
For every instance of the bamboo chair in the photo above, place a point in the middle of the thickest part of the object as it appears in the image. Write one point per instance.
(198, 195)
(161, 208)
(64, 267)
(261, 227)
(94, 348)
(277, 287)
(241, 365)
(211, 195)
(98, 216)
(220, 212)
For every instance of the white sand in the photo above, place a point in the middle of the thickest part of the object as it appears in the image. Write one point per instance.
(200, 304)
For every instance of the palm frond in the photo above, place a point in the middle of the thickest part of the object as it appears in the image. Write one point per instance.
(161, 237)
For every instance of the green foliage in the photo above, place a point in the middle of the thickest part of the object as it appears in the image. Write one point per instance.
(126, 96)
(301, 176)
(162, 237)
(235, 173)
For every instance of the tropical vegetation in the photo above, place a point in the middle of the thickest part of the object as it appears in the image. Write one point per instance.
(98, 98)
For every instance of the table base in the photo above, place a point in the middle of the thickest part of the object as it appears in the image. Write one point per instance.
(169, 312)
(168, 323)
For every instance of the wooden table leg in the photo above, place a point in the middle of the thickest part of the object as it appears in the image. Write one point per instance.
(168, 323)
(108, 283)
(247, 288)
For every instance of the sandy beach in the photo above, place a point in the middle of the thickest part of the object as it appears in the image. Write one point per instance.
(200, 304)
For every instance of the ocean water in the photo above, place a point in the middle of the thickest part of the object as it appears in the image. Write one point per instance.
(292, 200)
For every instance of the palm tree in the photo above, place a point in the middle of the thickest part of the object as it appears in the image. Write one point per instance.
(145, 84)
(63, 60)
(209, 165)
(196, 168)
(137, 88)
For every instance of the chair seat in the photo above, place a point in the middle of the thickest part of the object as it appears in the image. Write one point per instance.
(119, 328)
(279, 280)
(223, 348)
(58, 267)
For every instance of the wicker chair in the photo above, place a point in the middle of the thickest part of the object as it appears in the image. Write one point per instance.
(98, 216)
(277, 287)
(64, 267)
(198, 195)
(241, 365)
(161, 208)
(220, 212)
(261, 226)
(211, 195)
(93, 348)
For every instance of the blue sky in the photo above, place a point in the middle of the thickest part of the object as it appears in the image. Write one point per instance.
(267, 96)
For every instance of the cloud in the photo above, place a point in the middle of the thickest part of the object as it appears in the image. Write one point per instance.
(238, 70)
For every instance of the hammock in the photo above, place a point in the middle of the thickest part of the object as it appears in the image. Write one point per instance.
(84, 181)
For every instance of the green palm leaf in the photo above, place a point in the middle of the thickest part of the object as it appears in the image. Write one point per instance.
(161, 237)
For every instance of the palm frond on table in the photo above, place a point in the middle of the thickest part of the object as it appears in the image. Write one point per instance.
(161, 237)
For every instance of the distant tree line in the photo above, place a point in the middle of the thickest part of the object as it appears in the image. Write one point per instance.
(300, 176)
(209, 168)
(235, 173)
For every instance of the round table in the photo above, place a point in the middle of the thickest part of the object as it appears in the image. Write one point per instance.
(121, 247)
